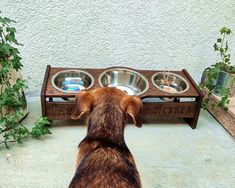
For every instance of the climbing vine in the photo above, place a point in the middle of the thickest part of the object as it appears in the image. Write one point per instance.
(12, 99)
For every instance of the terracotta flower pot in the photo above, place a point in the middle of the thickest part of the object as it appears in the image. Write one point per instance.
(14, 76)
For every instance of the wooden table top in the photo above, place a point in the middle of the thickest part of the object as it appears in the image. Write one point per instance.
(49, 91)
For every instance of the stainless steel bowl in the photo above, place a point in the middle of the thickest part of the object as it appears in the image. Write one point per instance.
(72, 81)
(170, 82)
(129, 81)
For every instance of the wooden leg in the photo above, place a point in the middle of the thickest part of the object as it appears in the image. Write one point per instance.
(193, 121)
(43, 91)
(43, 106)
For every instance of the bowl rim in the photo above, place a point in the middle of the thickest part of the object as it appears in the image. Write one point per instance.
(71, 70)
(125, 69)
(177, 75)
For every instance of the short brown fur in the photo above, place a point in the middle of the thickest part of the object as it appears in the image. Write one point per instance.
(104, 160)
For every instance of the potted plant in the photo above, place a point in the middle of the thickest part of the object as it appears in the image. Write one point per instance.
(219, 78)
(13, 106)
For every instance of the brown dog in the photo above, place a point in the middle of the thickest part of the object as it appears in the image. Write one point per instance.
(103, 160)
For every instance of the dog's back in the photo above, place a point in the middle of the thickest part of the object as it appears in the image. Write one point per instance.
(104, 160)
(106, 165)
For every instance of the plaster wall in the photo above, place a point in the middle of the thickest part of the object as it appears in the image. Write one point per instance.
(143, 34)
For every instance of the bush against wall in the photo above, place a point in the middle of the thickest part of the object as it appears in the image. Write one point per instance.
(12, 99)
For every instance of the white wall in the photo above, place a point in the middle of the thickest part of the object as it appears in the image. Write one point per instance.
(144, 34)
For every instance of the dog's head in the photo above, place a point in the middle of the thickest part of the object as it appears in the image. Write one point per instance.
(87, 101)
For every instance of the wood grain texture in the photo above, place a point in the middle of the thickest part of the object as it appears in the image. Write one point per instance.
(151, 92)
(63, 110)
(225, 118)
(44, 89)
(187, 110)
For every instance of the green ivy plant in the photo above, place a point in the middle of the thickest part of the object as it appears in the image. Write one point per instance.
(211, 73)
(12, 99)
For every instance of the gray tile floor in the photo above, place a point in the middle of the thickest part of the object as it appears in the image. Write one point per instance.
(168, 154)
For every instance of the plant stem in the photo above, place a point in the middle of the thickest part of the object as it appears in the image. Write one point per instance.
(222, 44)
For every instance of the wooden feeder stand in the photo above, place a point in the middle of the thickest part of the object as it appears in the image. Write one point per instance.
(188, 109)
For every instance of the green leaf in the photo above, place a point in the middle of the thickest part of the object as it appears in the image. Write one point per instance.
(226, 60)
(16, 63)
(225, 30)
(221, 50)
(226, 46)
(19, 113)
(215, 47)
(4, 50)
(40, 128)
(11, 29)
(222, 30)
(20, 84)
(228, 31)
(12, 99)
(2, 20)
(8, 20)
(11, 38)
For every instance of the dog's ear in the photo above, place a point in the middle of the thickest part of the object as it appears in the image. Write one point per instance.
(84, 100)
(133, 107)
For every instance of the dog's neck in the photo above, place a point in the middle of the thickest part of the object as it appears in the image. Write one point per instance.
(106, 121)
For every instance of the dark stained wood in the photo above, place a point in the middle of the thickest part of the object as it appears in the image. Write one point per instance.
(192, 82)
(152, 91)
(59, 110)
(176, 109)
(187, 110)
(43, 90)
(193, 121)
(62, 110)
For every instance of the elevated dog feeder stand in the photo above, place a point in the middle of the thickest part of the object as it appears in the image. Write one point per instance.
(185, 105)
